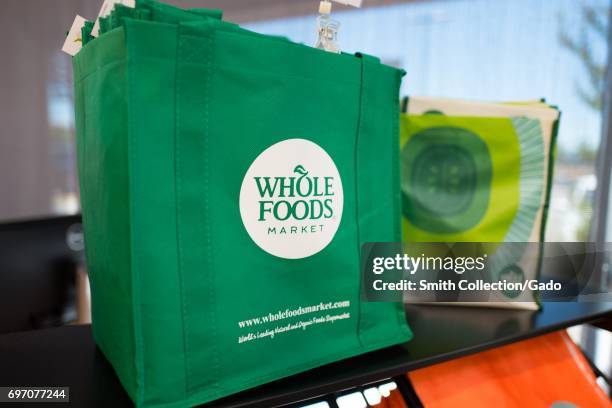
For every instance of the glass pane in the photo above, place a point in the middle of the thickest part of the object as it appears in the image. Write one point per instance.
(62, 159)
(37, 158)
(503, 50)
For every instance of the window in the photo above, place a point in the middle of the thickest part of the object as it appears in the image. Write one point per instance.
(473, 49)
(503, 50)
(37, 161)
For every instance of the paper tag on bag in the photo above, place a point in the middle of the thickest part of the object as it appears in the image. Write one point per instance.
(74, 39)
(106, 9)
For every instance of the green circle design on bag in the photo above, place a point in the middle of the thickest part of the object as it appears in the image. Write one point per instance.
(447, 183)
(512, 274)
(445, 179)
(433, 112)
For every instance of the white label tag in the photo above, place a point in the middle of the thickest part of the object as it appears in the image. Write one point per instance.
(354, 3)
(106, 9)
(74, 40)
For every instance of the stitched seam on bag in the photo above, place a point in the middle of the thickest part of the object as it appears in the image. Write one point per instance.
(357, 197)
(374, 88)
(197, 51)
(178, 192)
(136, 307)
(206, 225)
(209, 254)
(336, 80)
(395, 167)
(280, 74)
(394, 148)
(397, 226)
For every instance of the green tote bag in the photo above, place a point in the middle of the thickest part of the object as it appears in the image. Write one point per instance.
(228, 181)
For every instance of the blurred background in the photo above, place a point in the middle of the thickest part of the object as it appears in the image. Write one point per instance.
(473, 49)
(499, 50)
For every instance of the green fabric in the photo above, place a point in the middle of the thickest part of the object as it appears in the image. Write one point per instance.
(86, 32)
(170, 116)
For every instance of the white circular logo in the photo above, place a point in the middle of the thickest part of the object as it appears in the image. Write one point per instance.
(291, 199)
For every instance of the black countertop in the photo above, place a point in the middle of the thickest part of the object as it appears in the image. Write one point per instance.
(67, 356)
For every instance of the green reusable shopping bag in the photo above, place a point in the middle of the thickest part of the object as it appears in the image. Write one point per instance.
(482, 178)
(228, 181)
(463, 178)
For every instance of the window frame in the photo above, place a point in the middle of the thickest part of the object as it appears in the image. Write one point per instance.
(602, 202)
